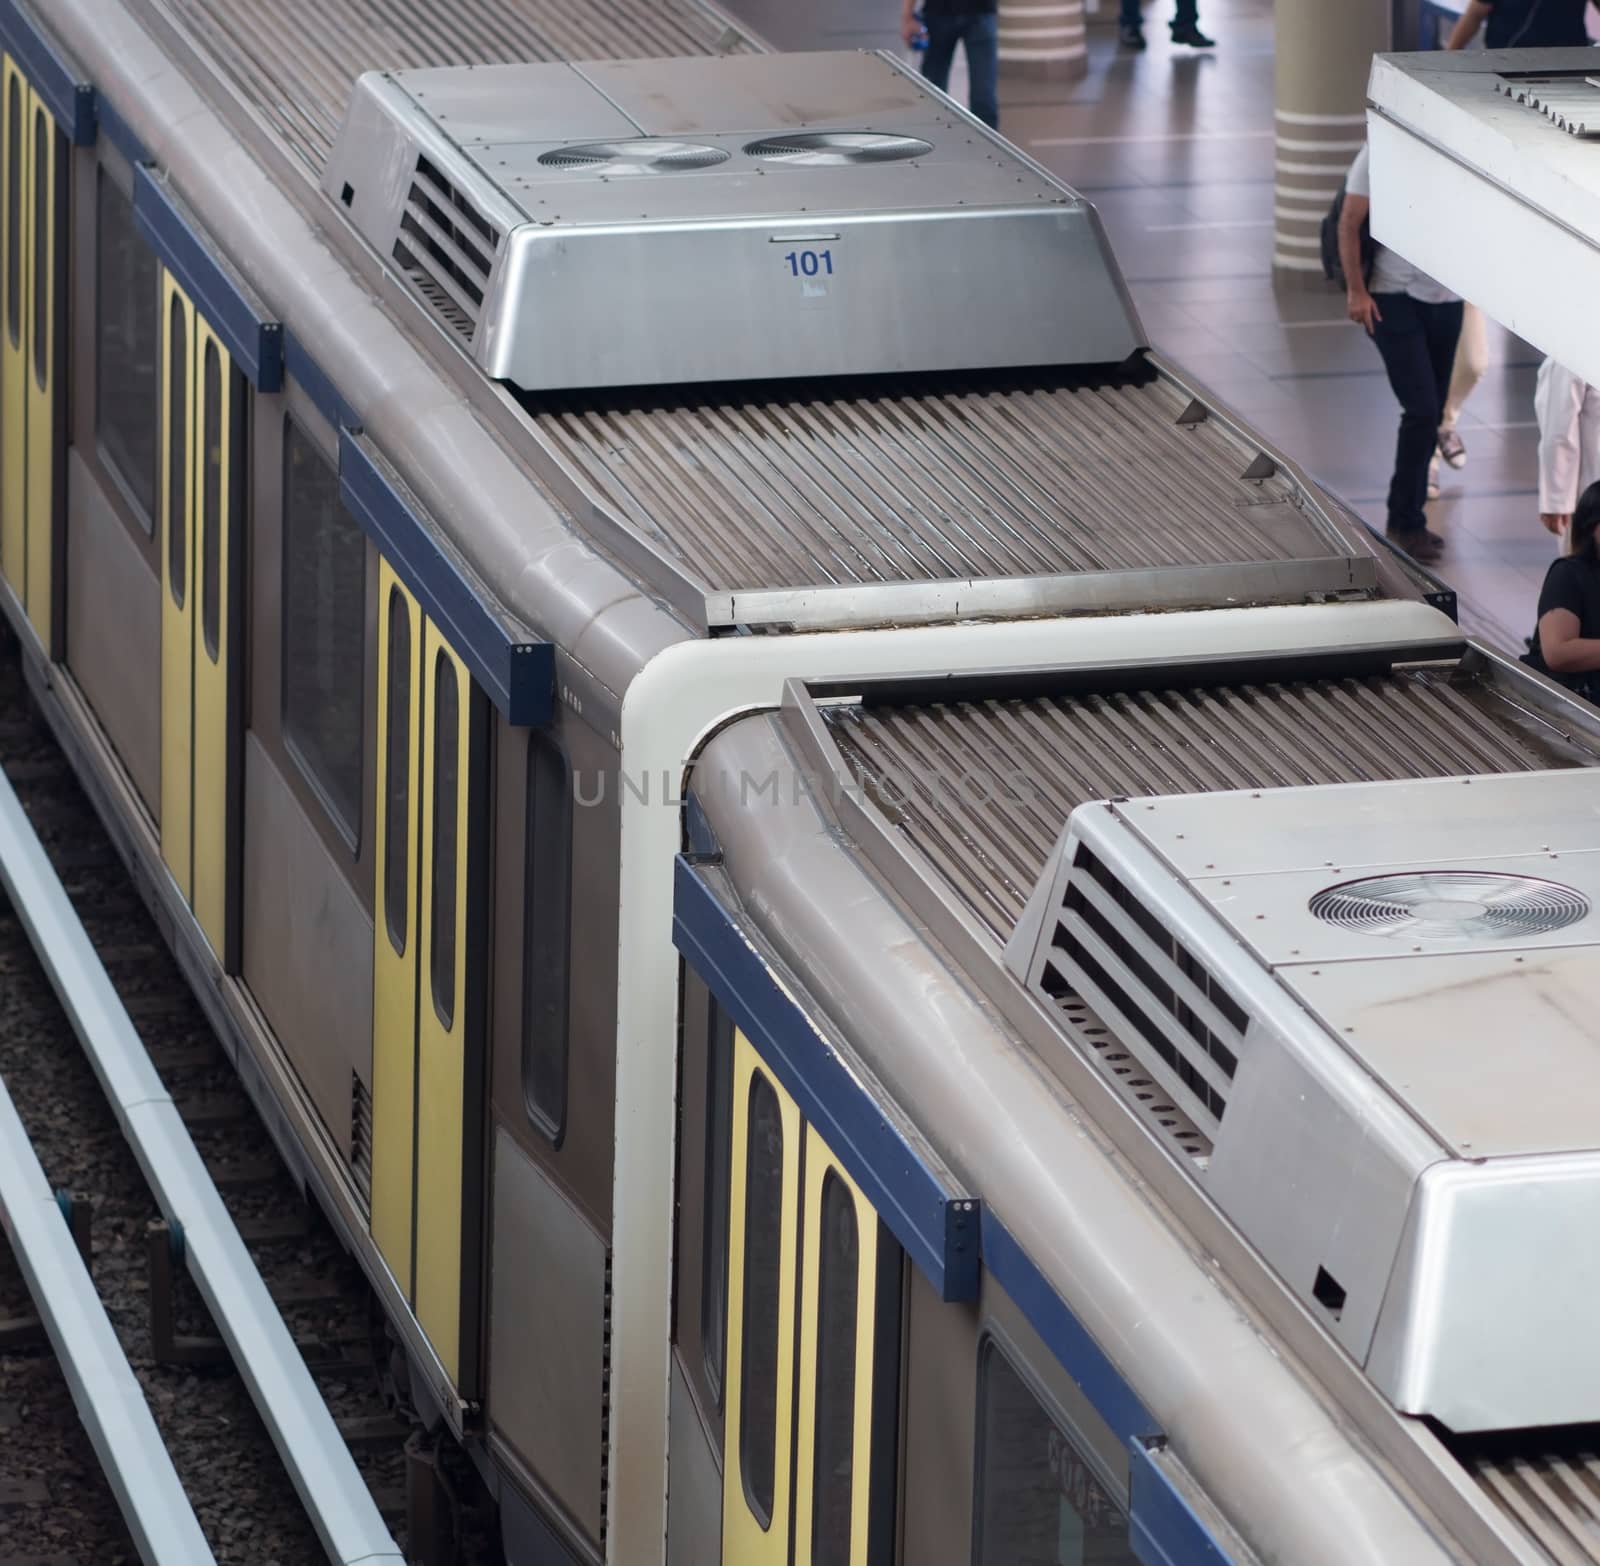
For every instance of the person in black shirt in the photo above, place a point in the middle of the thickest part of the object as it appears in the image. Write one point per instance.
(1523, 24)
(1566, 642)
(972, 23)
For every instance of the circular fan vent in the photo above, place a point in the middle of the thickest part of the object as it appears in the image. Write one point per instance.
(646, 155)
(1450, 905)
(834, 149)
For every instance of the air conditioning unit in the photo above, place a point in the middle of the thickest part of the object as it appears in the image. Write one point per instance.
(1366, 1019)
(737, 217)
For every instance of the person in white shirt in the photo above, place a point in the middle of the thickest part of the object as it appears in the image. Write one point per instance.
(1415, 323)
(1568, 411)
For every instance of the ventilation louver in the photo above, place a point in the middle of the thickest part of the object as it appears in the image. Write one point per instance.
(447, 246)
(837, 149)
(643, 155)
(1450, 906)
(1164, 1007)
(361, 1139)
(1570, 100)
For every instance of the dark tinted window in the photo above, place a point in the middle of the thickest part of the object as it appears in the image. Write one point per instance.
(547, 897)
(127, 348)
(211, 503)
(41, 249)
(397, 774)
(719, 1148)
(834, 1457)
(1039, 1501)
(763, 1255)
(14, 212)
(177, 450)
(446, 783)
(324, 629)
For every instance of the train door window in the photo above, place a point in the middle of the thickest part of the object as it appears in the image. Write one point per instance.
(14, 210)
(447, 748)
(211, 502)
(324, 634)
(719, 1146)
(1040, 1500)
(547, 892)
(838, 1295)
(397, 775)
(177, 497)
(763, 1265)
(127, 326)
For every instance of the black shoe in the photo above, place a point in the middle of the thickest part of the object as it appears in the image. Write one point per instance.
(1422, 545)
(1132, 37)
(1192, 36)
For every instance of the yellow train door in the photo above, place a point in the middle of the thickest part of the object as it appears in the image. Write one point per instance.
(428, 973)
(201, 497)
(813, 1352)
(31, 380)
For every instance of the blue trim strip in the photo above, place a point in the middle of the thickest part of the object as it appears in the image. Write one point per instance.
(118, 131)
(306, 373)
(1163, 1528)
(229, 306)
(51, 74)
(935, 1224)
(1080, 1356)
(519, 677)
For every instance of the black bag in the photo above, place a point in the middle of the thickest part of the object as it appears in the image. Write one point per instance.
(1332, 266)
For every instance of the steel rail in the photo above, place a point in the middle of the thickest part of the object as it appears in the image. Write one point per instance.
(110, 1402)
(325, 1476)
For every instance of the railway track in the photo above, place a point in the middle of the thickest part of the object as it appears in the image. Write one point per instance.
(55, 1504)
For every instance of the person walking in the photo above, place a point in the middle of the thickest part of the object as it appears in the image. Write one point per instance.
(1566, 637)
(1185, 26)
(1414, 322)
(974, 25)
(1568, 411)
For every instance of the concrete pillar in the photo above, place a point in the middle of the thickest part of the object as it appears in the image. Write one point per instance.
(1042, 39)
(1323, 54)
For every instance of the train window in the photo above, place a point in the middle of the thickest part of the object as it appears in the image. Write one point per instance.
(446, 781)
(397, 771)
(324, 633)
(837, 1300)
(1040, 1503)
(763, 1260)
(177, 451)
(127, 348)
(14, 211)
(211, 503)
(719, 1145)
(41, 249)
(547, 891)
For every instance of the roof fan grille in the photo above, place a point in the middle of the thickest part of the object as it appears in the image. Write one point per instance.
(643, 155)
(837, 149)
(1450, 906)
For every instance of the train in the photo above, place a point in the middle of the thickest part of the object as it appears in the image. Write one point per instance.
(650, 624)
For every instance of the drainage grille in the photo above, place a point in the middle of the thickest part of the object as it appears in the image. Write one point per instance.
(837, 149)
(646, 155)
(446, 246)
(1450, 906)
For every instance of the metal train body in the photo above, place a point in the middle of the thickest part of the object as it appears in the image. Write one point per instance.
(500, 762)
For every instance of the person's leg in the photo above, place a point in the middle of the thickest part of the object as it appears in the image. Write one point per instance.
(944, 33)
(1471, 361)
(1402, 340)
(983, 67)
(1442, 323)
(1131, 15)
(1186, 15)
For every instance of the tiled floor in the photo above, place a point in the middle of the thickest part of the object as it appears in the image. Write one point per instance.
(1175, 148)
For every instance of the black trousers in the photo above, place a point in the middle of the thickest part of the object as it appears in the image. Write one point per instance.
(1418, 344)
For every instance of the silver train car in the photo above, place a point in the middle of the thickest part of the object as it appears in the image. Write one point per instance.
(439, 441)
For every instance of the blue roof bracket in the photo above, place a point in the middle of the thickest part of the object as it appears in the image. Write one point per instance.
(924, 1206)
(517, 675)
(1163, 1526)
(230, 306)
(50, 71)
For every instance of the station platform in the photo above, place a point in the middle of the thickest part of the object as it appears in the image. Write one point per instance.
(1175, 147)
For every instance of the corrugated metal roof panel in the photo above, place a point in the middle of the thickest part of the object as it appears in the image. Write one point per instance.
(296, 60)
(1547, 1484)
(982, 789)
